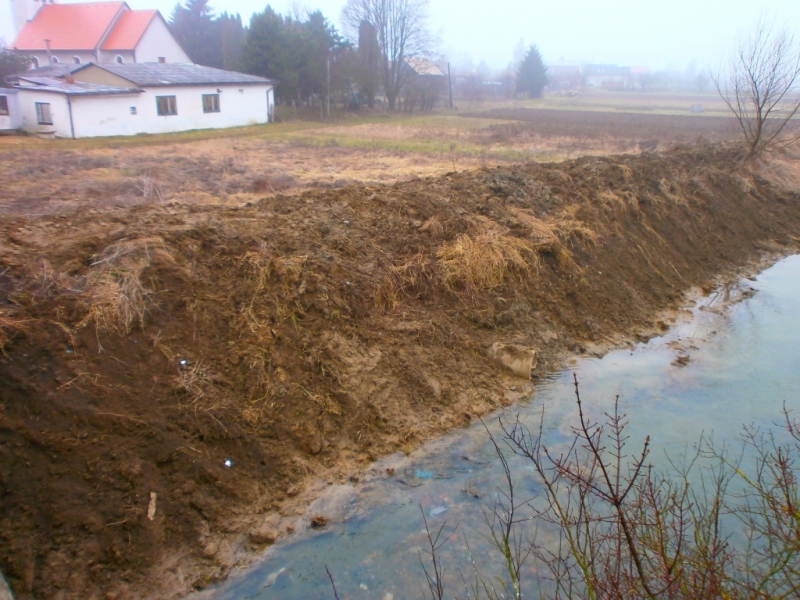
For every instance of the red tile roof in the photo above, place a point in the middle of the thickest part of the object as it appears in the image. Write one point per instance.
(68, 26)
(129, 29)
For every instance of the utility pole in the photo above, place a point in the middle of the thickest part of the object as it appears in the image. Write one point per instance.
(328, 88)
(450, 84)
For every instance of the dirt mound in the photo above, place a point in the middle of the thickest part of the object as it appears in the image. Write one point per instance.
(172, 376)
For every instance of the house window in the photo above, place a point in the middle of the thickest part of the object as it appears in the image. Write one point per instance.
(3, 105)
(76, 60)
(210, 103)
(133, 110)
(54, 59)
(118, 59)
(166, 105)
(43, 116)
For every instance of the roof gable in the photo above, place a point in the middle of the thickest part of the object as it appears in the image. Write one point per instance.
(424, 67)
(69, 26)
(129, 29)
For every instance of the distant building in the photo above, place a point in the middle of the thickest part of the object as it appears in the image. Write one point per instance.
(563, 77)
(76, 101)
(607, 77)
(99, 32)
(424, 83)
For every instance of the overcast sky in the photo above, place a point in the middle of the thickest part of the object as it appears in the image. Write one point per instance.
(663, 34)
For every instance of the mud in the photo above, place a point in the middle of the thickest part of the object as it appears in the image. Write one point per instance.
(176, 379)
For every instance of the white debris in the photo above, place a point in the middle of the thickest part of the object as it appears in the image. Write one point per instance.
(228, 462)
(151, 508)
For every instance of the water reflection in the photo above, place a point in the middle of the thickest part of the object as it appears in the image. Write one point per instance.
(739, 366)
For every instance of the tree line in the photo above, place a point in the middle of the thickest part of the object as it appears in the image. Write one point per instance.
(313, 61)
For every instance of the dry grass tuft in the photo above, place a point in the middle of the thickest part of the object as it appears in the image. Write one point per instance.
(569, 227)
(415, 274)
(284, 270)
(116, 298)
(433, 227)
(196, 392)
(485, 260)
(8, 327)
(261, 391)
(278, 281)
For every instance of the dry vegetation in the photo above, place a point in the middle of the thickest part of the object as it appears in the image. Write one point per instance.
(234, 167)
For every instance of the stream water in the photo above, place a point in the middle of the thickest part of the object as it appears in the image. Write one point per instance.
(743, 353)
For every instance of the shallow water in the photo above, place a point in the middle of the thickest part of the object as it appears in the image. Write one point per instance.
(744, 364)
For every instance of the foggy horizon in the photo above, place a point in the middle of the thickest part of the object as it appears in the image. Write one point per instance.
(670, 36)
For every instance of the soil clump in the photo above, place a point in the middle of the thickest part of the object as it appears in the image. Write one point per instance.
(173, 377)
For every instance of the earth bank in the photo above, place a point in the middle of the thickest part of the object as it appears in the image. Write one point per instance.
(173, 377)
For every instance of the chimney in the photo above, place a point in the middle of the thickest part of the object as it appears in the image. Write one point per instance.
(162, 59)
(69, 78)
(49, 52)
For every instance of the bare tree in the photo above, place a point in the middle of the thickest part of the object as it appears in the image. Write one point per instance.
(720, 523)
(759, 84)
(402, 32)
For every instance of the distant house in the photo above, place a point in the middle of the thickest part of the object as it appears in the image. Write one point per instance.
(125, 99)
(99, 32)
(424, 83)
(607, 77)
(10, 116)
(564, 77)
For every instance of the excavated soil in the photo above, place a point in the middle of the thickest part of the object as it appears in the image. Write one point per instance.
(173, 377)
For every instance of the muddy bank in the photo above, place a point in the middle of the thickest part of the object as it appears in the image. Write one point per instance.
(174, 377)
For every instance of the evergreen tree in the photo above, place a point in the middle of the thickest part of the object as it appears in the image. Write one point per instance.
(196, 30)
(369, 62)
(532, 74)
(294, 52)
(232, 38)
(271, 50)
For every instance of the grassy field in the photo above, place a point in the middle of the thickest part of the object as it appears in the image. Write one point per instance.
(245, 164)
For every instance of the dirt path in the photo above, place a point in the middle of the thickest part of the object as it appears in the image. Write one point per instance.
(173, 377)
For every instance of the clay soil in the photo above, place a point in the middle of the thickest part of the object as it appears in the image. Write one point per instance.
(174, 376)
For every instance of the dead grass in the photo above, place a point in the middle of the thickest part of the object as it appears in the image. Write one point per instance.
(415, 275)
(486, 257)
(9, 327)
(115, 297)
(485, 260)
(243, 165)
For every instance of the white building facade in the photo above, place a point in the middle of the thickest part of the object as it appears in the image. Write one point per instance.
(185, 97)
(10, 115)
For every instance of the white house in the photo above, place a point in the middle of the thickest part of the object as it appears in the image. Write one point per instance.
(125, 99)
(99, 32)
(10, 116)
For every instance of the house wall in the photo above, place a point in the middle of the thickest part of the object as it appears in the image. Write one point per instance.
(157, 41)
(63, 56)
(110, 56)
(59, 110)
(13, 120)
(110, 115)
